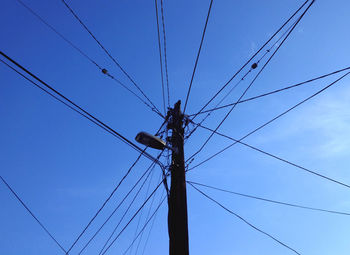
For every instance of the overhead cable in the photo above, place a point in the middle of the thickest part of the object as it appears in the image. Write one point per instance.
(245, 221)
(267, 123)
(81, 52)
(109, 54)
(165, 52)
(278, 158)
(32, 214)
(145, 225)
(160, 55)
(58, 96)
(120, 203)
(270, 200)
(274, 91)
(198, 54)
(150, 230)
(78, 108)
(254, 66)
(247, 62)
(146, 219)
(128, 208)
(141, 213)
(252, 82)
(132, 218)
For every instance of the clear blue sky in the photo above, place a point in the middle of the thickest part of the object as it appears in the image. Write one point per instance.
(64, 167)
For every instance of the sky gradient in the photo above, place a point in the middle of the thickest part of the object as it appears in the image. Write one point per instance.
(64, 167)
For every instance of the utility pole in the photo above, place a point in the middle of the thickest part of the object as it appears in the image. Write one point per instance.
(177, 216)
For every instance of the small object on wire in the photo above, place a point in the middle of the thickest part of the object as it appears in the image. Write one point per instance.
(255, 65)
(104, 71)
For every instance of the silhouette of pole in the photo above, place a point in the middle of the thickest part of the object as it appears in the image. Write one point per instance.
(177, 216)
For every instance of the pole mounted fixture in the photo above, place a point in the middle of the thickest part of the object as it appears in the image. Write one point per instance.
(152, 141)
(156, 143)
(177, 199)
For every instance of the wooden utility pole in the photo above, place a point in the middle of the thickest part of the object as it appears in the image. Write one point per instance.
(177, 216)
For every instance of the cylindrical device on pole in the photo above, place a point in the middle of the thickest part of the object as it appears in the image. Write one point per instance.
(177, 217)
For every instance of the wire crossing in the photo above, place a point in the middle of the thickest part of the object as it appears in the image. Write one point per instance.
(55, 94)
(36, 81)
(141, 213)
(146, 219)
(252, 82)
(82, 53)
(110, 55)
(149, 232)
(245, 221)
(132, 218)
(32, 214)
(269, 122)
(274, 91)
(150, 168)
(59, 34)
(254, 66)
(254, 55)
(278, 158)
(144, 226)
(58, 96)
(270, 200)
(128, 208)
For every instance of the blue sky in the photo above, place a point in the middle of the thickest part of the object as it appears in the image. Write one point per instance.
(64, 167)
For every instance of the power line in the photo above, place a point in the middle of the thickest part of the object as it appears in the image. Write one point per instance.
(133, 217)
(278, 158)
(160, 55)
(274, 91)
(269, 200)
(132, 92)
(195, 128)
(252, 82)
(103, 70)
(104, 203)
(149, 233)
(109, 55)
(128, 208)
(145, 225)
(150, 229)
(112, 193)
(32, 214)
(147, 217)
(242, 79)
(141, 213)
(59, 97)
(198, 54)
(78, 109)
(59, 34)
(60, 100)
(245, 221)
(118, 206)
(256, 63)
(267, 123)
(165, 55)
(90, 117)
(247, 62)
